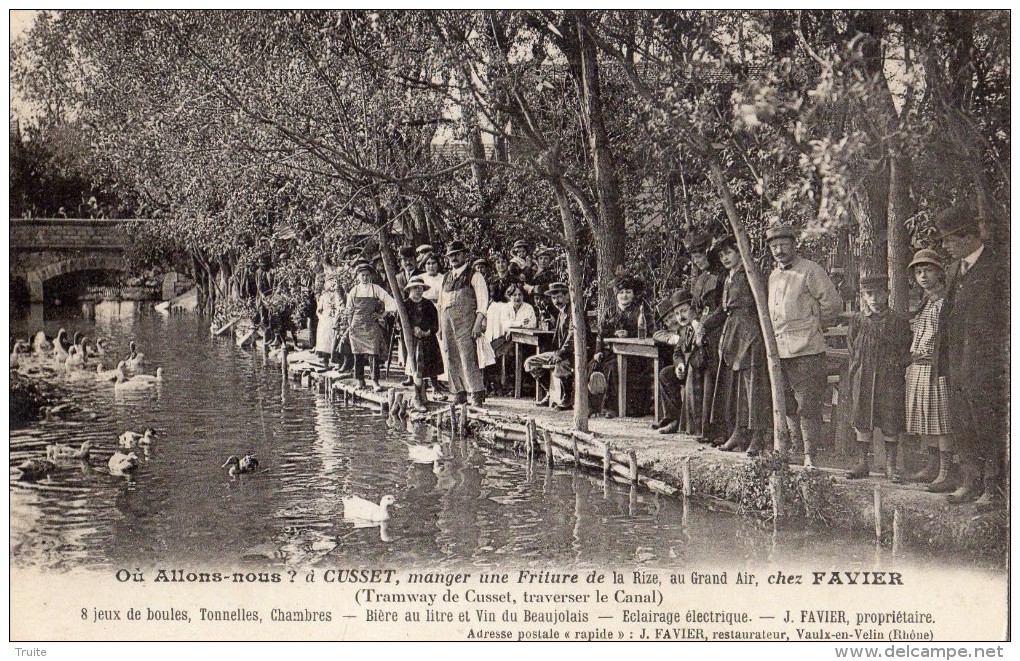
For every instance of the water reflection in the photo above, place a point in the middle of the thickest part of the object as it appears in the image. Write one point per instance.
(472, 506)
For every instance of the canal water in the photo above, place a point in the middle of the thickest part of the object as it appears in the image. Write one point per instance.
(475, 507)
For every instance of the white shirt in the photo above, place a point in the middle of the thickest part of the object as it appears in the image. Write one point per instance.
(477, 284)
(967, 263)
(501, 318)
(435, 283)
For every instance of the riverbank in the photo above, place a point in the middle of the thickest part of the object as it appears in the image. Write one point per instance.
(626, 450)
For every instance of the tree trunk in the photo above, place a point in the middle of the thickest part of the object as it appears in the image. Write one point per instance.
(901, 207)
(761, 302)
(609, 228)
(575, 282)
(390, 265)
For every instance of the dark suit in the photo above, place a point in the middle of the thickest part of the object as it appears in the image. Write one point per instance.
(974, 358)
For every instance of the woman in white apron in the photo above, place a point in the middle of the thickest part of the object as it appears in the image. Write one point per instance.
(329, 307)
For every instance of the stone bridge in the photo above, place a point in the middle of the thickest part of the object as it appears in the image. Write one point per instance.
(45, 248)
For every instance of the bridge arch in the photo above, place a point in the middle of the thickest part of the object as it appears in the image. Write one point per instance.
(37, 277)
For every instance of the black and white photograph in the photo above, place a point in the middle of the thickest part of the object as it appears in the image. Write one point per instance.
(511, 325)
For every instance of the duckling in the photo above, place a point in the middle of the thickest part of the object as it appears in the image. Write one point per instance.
(41, 343)
(59, 451)
(134, 359)
(131, 439)
(35, 469)
(235, 466)
(359, 509)
(122, 463)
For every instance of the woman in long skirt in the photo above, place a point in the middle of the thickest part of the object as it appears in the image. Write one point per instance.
(424, 346)
(367, 305)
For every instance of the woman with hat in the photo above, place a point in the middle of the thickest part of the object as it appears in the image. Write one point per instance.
(329, 307)
(742, 392)
(501, 280)
(927, 399)
(625, 320)
(520, 260)
(424, 320)
(367, 304)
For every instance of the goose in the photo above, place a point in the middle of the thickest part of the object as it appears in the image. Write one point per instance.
(131, 439)
(359, 509)
(35, 469)
(59, 451)
(101, 348)
(424, 454)
(123, 462)
(75, 358)
(18, 353)
(108, 375)
(134, 359)
(60, 346)
(62, 411)
(149, 378)
(248, 464)
(41, 344)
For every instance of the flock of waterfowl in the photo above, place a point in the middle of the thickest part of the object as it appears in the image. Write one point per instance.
(44, 357)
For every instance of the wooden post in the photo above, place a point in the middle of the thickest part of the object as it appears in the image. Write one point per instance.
(577, 453)
(607, 460)
(878, 512)
(688, 488)
(464, 419)
(453, 421)
(283, 360)
(439, 424)
(632, 459)
(897, 529)
(529, 435)
(548, 448)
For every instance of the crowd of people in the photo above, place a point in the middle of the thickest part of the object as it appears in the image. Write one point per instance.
(938, 376)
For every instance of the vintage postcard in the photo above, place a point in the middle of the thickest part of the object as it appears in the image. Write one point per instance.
(511, 325)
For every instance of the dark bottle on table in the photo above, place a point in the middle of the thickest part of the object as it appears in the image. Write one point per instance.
(642, 325)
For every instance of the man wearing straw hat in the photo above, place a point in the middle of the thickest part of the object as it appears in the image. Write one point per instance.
(974, 356)
(463, 300)
(802, 300)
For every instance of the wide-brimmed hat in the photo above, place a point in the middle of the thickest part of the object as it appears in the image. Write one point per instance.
(351, 252)
(926, 256)
(424, 248)
(479, 262)
(455, 247)
(557, 288)
(546, 252)
(521, 244)
(359, 262)
(959, 219)
(699, 241)
(875, 282)
(416, 281)
(675, 300)
(630, 282)
(781, 231)
(363, 266)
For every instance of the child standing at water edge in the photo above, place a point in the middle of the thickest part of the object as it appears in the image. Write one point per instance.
(879, 343)
(423, 345)
(927, 399)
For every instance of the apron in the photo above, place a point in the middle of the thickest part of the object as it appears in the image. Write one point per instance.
(457, 320)
(367, 335)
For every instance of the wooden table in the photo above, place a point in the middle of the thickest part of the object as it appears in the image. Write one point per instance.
(624, 348)
(531, 337)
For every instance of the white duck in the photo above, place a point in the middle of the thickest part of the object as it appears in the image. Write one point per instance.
(150, 378)
(75, 358)
(108, 375)
(61, 452)
(132, 439)
(134, 359)
(41, 344)
(101, 348)
(424, 454)
(59, 348)
(18, 353)
(130, 384)
(359, 509)
(122, 463)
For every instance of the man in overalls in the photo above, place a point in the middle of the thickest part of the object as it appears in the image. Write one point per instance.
(462, 304)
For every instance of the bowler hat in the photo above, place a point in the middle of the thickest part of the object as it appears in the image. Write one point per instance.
(926, 256)
(406, 252)
(699, 241)
(874, 282)
(676, 299)
(781, 231)
(959, 219)
(455, 247)
(557, 288)
(521, 244)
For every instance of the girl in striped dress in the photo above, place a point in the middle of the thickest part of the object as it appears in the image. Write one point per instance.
(927, 399)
